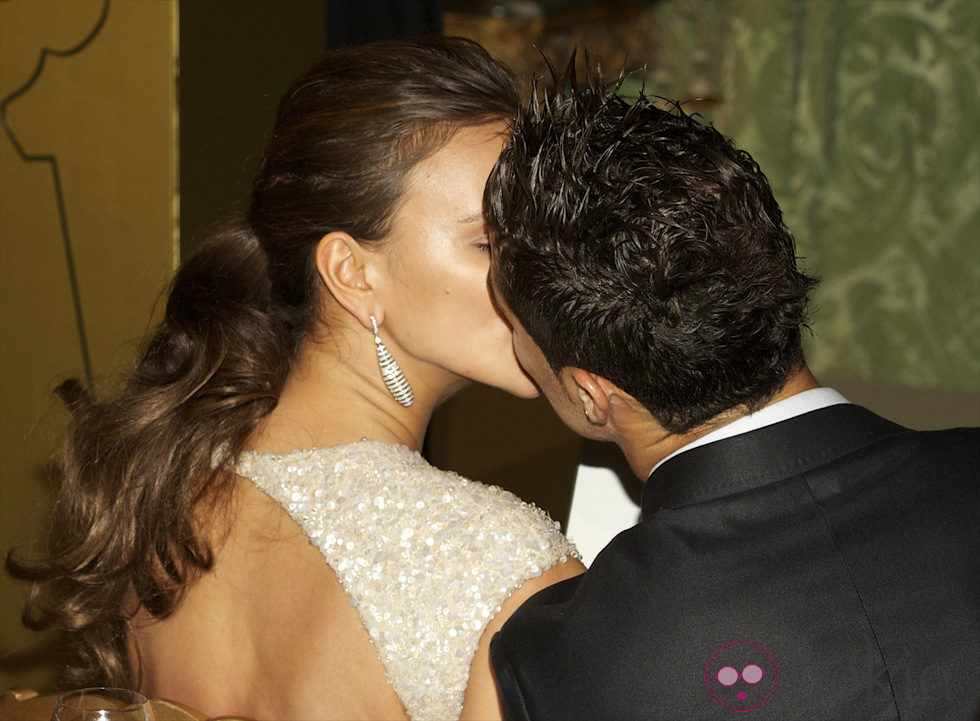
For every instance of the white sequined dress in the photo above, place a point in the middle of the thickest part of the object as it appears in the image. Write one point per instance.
(427, 557)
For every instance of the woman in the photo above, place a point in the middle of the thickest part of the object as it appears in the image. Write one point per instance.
(273, 421)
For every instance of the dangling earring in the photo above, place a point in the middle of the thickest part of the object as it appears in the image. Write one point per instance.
(391, 373)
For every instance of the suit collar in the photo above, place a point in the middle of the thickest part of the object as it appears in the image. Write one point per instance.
(773, 453)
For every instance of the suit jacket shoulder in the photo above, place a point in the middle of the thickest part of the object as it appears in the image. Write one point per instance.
(827, 567)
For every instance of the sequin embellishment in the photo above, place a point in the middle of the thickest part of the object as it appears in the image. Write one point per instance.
(427, 557)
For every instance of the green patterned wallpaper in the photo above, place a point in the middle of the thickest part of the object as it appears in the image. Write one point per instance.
(865, 115)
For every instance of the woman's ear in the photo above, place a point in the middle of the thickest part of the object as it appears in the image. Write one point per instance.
(340, 263)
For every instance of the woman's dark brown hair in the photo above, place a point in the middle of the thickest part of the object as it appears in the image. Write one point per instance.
(143, 471)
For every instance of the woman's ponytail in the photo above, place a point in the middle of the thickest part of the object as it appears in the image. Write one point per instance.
(137, 468)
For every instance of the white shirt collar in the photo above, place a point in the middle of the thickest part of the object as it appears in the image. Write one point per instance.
(795, 405)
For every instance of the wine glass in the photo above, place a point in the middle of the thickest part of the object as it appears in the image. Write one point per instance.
(102, 704)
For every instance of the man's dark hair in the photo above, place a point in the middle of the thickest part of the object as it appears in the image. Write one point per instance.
(639, 244)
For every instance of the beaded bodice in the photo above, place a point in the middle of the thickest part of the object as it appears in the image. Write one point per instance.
(427, 557)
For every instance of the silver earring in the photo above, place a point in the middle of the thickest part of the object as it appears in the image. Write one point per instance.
(391, 373)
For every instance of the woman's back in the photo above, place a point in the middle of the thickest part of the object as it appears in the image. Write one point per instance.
(269, 633)
(420, 558)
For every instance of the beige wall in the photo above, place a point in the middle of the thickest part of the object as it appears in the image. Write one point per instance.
(107, 115)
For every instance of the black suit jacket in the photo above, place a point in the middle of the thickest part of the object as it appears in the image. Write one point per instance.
(823, 568)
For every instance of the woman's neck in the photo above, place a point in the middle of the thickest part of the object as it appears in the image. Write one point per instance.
(331, 397)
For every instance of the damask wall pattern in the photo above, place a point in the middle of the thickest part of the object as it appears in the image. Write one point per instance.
(865, 115)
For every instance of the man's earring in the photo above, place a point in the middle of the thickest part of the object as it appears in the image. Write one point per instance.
(391, 373)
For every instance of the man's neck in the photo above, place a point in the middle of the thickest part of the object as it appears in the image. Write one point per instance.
(645, 442)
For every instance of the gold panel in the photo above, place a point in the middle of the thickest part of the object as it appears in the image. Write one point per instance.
(79, 277)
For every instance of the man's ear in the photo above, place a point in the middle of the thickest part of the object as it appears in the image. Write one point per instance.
(593, 392)
(340, 263)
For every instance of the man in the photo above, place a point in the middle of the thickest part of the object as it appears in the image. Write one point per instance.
(798, 557)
